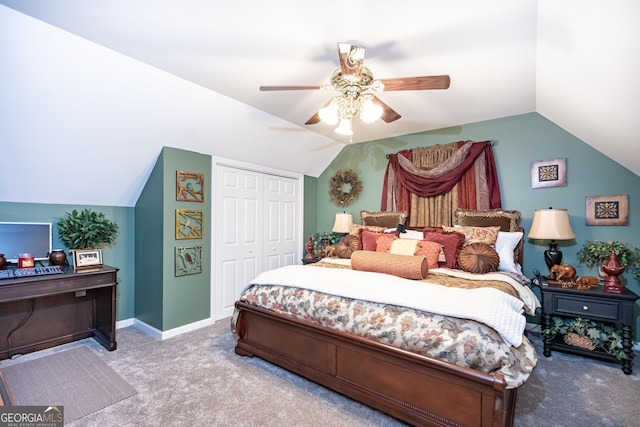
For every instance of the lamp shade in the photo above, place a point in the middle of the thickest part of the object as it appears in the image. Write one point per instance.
(551, 224)
(343, 223)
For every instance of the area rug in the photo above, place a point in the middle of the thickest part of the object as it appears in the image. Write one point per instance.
(76, 379)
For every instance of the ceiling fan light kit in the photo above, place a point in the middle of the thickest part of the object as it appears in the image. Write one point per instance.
(352, 80)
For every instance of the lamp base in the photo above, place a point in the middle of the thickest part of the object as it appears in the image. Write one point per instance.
(553, 255)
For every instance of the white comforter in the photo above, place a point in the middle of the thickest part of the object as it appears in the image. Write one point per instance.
(500, 311)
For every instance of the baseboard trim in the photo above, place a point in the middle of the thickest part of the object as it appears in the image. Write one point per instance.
(163, 335)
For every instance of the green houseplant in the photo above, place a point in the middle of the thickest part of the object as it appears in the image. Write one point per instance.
(603, 336)
(594, 252)
(86, 230)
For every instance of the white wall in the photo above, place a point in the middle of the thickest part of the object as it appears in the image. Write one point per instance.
(94, 121)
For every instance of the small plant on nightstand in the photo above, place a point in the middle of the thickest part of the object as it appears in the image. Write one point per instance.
(594, 252)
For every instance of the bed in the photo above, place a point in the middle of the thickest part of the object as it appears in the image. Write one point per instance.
(469, 378)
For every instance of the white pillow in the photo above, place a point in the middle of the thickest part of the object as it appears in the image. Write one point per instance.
(412, 234)
(404, 246)
(505, 244)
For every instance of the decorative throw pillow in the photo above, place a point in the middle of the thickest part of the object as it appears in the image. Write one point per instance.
(478, 258)
(505, 245)
(486, 235)
(347, 245)
(384, 242)
(383, 219)
(451, 245)
(356, 229)
(429, 250)
(411, 234)
(403, 247)
(368, 239)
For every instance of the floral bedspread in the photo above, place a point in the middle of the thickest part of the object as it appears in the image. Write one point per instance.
(458, 341)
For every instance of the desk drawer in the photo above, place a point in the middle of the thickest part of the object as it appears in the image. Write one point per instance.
(578, 307)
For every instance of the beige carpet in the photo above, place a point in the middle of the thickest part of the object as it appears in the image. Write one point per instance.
(76, 379)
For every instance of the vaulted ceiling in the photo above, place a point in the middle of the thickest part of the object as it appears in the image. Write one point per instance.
(575, 62)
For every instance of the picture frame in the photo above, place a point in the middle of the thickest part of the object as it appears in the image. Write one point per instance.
(189, 224)
(610, 209)
(189, 186)
(188, 260)
(87, 258)
(549, 173)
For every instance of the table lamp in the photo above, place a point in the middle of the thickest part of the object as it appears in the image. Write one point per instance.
(343, 223)
(551, 224)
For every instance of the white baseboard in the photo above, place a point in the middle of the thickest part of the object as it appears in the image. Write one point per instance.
(162, 335)
(124, 323)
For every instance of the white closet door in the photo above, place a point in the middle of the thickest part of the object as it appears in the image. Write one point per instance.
(239, 234)
(281, 246)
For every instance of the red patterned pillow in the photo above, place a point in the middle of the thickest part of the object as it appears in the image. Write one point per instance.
(451, 244)
(383, 242)
(430, 250)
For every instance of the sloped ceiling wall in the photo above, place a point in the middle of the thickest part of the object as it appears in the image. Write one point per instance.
(82, 124)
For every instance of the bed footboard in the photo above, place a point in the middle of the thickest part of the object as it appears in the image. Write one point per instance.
(413, 388)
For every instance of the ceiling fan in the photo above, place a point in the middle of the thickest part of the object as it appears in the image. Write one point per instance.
(353, 81)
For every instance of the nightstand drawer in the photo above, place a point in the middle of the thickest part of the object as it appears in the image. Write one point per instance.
(604, 310)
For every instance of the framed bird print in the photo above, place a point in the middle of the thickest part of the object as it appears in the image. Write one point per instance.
(189, 186)
(189, 224)
(188, 260)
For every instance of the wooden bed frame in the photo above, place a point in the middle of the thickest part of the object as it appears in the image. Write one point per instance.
(415, 389)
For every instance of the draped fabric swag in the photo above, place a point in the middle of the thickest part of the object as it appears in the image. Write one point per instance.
(430, 183)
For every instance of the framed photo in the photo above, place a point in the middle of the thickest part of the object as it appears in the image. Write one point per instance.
(608, 210)
(189, 186)
(549, 173)
(188, 260)
(83, 258)
(189, 224)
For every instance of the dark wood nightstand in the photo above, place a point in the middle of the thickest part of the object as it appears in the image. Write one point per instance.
(595, 304)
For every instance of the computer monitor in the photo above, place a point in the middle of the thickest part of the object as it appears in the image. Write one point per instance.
(25, 237)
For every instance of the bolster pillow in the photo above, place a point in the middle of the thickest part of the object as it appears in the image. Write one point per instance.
(406, 266)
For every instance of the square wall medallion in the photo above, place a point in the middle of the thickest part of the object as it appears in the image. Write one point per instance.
(549, 173)
(608, 210)
(188, 260)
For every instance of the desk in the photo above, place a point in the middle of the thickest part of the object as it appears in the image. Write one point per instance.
(38, 312)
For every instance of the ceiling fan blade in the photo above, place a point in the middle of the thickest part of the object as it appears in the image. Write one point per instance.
(313, 120)
(417, 83)
(273, 88)
(351, 58)
(388, 114)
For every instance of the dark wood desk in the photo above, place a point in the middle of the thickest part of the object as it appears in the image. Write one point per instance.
(38, 312)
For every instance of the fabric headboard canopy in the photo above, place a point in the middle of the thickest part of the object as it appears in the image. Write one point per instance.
(457, 175)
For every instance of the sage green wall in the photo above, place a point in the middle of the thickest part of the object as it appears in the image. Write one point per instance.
(310, 220)
(186, 299)
(117, 255)
(519, 141)
(149, 248)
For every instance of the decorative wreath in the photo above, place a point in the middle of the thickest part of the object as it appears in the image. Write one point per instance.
(336, 187)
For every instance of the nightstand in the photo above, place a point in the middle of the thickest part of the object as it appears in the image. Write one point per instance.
(595, 304)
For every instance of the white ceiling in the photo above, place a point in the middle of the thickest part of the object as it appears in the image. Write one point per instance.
(575, 62)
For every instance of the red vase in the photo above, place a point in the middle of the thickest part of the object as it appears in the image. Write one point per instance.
(612, 269)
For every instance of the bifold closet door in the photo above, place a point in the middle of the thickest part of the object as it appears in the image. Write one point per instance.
(280, 222)
(238, 245)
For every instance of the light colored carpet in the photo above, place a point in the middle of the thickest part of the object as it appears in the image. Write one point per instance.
(76, 379)
(196, 379)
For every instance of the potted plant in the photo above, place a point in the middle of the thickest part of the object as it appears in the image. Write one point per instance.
(86, 230)
(594, 252)
(587, 334)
